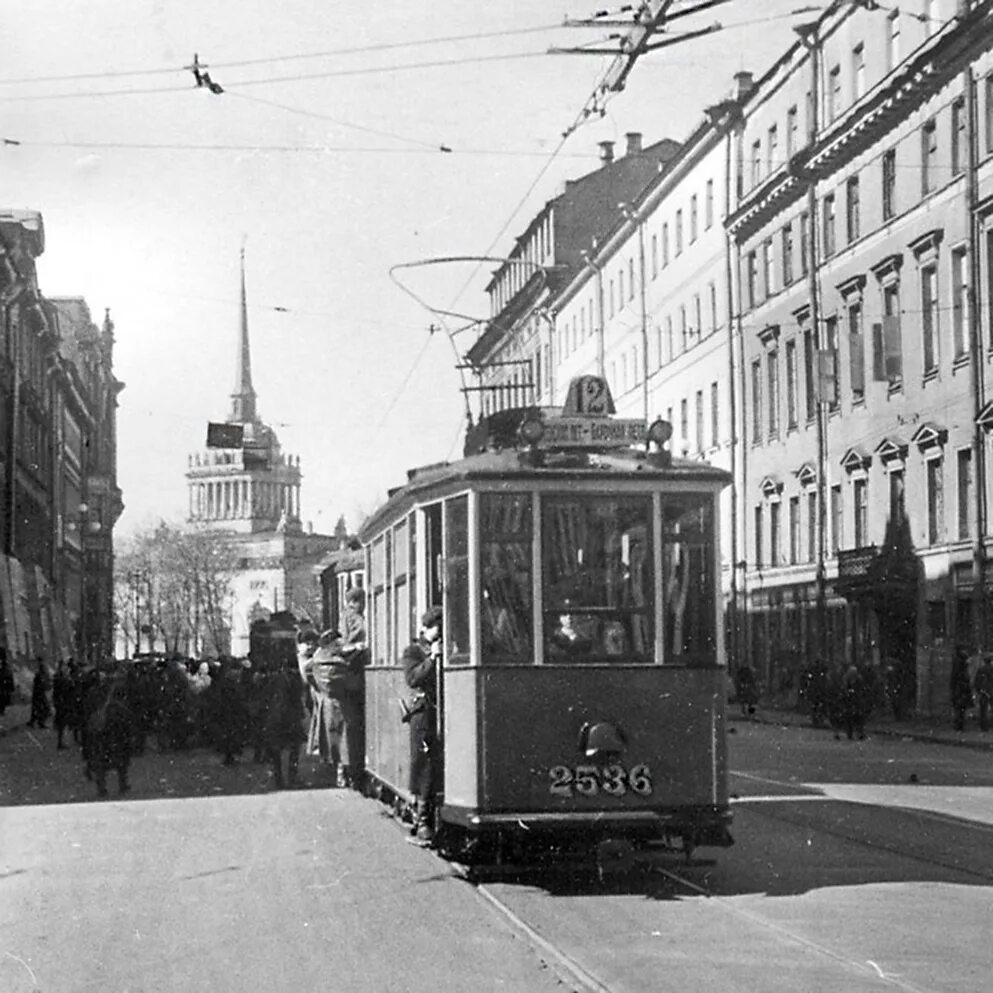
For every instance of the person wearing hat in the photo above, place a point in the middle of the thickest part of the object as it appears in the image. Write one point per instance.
(420, 663)
(355, 651)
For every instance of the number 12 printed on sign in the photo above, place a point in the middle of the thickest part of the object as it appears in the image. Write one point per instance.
(590, 780)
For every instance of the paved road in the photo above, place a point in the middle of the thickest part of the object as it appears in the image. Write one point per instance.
(859, 866)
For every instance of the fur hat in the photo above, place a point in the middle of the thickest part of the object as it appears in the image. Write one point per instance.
(432, 617)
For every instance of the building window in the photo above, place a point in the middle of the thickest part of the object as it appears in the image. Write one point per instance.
(889, 184)
(964, 473)
(698, 314)
(860, 494)
(858, 71)
(756, 162)
(893, 40)
(960, 302)
(772, 364)
(772, 150)
(757, 402)
(751, 278)
(935, 502)
(988, 88)
(670, 351)
(611, 298)
(929, 318)
(812, 526)
(834, 93)
(712, 289)
(630, 279)
(758, 537)
(700, 444)
(655, 256)
(794, 530)
(708, 204)
(684, 422)
(960, 148)
(929, 157)
(787, 249)
(775, 529)
(804, 243)
(679, 231)
(837, 520)
(792, 131)
(853, 209)
(829, 364)
(827, 233)
(768, 272)
(856, 350)
(620, 289)
(665, 244)
(684, 331)
(809, 364)
(888, 343)
(715, 416)
(897, 503)
(791, 384)
(694, 218)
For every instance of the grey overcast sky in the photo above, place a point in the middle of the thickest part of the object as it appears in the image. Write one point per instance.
(322, 155)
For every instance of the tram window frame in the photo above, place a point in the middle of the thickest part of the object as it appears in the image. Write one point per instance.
(379, 599)
(400, 584)
(606, 632)
(505, 550)
(456, 546)
(698, 647)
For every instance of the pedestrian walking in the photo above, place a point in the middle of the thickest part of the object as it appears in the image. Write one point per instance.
(855, 702)
(960, 687)
(746, 689)
(6, 683)
(421, 662)
(63, 702)
(108, 733)
(283, 717)
(983, 685)
(41, 709)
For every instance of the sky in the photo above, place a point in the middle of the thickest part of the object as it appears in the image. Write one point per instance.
(322, 158)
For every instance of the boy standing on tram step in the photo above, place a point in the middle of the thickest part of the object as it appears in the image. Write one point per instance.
(420, 662)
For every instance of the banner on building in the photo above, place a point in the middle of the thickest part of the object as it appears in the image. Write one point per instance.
(225, 435)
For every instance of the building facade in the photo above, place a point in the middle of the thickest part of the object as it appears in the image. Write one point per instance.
(804, 292)
(244, 487)
(58, 462)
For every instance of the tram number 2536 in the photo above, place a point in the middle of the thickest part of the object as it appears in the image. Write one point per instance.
(589, 780)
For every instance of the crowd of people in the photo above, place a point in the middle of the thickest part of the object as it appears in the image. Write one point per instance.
(112, 711)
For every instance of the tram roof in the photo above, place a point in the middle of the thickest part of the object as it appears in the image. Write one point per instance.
(513, 466)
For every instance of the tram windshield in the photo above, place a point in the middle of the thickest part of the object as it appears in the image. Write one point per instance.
(599, 591)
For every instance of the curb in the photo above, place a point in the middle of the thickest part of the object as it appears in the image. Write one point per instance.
(792, 719)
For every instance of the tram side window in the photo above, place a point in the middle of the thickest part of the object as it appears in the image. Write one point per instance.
(505, 570)
(688, 582)
(377, 584)
(598, 579)
(456, 631)
(401, 588)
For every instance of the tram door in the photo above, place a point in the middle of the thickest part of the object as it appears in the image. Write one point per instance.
(434, 568)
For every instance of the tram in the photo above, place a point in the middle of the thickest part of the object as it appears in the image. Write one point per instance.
(581, 691)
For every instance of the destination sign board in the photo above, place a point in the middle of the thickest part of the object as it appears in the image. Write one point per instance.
(593, 432)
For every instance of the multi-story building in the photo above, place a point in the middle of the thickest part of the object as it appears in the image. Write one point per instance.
(800, 292)
(245, 487)
(58, 403)
(863, 353)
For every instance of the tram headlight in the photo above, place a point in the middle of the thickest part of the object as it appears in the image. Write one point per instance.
(531, 431)
(659, 432)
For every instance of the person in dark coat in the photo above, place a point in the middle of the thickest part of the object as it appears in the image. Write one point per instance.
(746, 688)
(63, 701)
(982, 683)
(855, 704)
(815, 690)
(40, 707)
(283, 721)
(421, 662)
(108, 732)
(355, 651)
(960, 687)
(230, 714)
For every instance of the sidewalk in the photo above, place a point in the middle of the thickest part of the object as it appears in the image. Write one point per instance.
(936, 730)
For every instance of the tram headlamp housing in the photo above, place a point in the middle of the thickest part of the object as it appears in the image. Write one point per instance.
(531, 431)
(659, 432)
